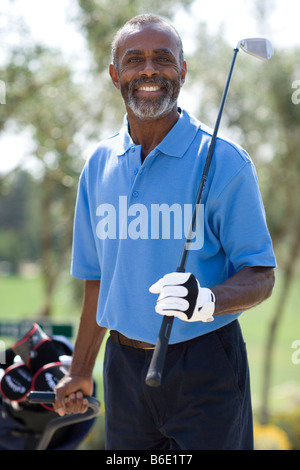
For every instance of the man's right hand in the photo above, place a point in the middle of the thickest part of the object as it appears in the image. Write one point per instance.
(70, 391)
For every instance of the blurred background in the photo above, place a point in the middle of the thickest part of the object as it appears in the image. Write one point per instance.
(57, 102)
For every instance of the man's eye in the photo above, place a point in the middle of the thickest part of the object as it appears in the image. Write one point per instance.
(134, 59)
(164, 60)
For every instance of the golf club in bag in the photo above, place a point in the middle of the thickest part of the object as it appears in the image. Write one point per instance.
(262, 49)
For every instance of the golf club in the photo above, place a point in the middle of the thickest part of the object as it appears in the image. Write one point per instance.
(262, 49)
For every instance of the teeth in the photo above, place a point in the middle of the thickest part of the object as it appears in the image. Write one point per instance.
(149, 88)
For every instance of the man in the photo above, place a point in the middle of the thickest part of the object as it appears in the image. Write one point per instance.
(133, 206)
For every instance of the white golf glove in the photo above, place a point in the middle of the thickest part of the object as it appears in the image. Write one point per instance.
(181, 296)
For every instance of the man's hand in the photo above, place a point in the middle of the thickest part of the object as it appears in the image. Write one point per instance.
(69, 394)
(181, 296)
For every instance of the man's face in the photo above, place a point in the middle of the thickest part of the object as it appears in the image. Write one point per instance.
(149, 72)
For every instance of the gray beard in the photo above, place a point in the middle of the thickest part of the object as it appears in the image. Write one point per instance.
(147, 108)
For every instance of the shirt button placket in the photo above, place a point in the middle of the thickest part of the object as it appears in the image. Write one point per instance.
(135, 168)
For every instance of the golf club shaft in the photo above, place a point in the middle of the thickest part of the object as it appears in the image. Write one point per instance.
(154, 375)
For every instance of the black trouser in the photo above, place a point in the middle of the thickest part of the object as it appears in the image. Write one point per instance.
(203, 402)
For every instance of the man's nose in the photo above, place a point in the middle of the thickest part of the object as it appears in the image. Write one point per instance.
(149, 68)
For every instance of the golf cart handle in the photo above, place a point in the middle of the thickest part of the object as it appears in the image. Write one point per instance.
(61, 421)
(49, 398)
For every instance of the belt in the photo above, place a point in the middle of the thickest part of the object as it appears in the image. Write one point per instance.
(121, 339)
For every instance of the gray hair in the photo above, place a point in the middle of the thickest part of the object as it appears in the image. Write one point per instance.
(142, 20)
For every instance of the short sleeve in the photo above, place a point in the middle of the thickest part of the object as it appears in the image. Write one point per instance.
(239, 221)
(85, 263)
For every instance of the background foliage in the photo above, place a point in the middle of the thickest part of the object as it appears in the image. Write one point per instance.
(65, 112)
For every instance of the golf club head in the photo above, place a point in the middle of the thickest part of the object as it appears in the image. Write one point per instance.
(257, 47)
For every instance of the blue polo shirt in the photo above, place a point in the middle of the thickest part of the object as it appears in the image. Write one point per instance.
(131, 220)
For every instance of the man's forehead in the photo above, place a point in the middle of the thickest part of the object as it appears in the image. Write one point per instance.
(152, 36)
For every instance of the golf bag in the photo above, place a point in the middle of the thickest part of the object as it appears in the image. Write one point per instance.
(35, 363)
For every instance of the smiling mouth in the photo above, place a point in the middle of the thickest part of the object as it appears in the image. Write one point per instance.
(149, 88)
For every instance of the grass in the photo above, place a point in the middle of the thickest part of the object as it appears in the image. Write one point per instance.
(19, 297)
(22, 298)
(285, 380)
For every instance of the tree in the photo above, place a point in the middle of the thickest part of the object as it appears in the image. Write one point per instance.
(281, 196)
(19, 226)
(43, 98)
(57, 114)
(261, 115)
(63, 116)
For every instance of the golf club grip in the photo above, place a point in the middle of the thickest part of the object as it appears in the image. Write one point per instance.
(154, 375)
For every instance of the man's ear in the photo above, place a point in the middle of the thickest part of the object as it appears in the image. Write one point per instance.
(183, 72)
(114, 76)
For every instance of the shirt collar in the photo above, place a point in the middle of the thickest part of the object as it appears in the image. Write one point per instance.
(176, 142)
